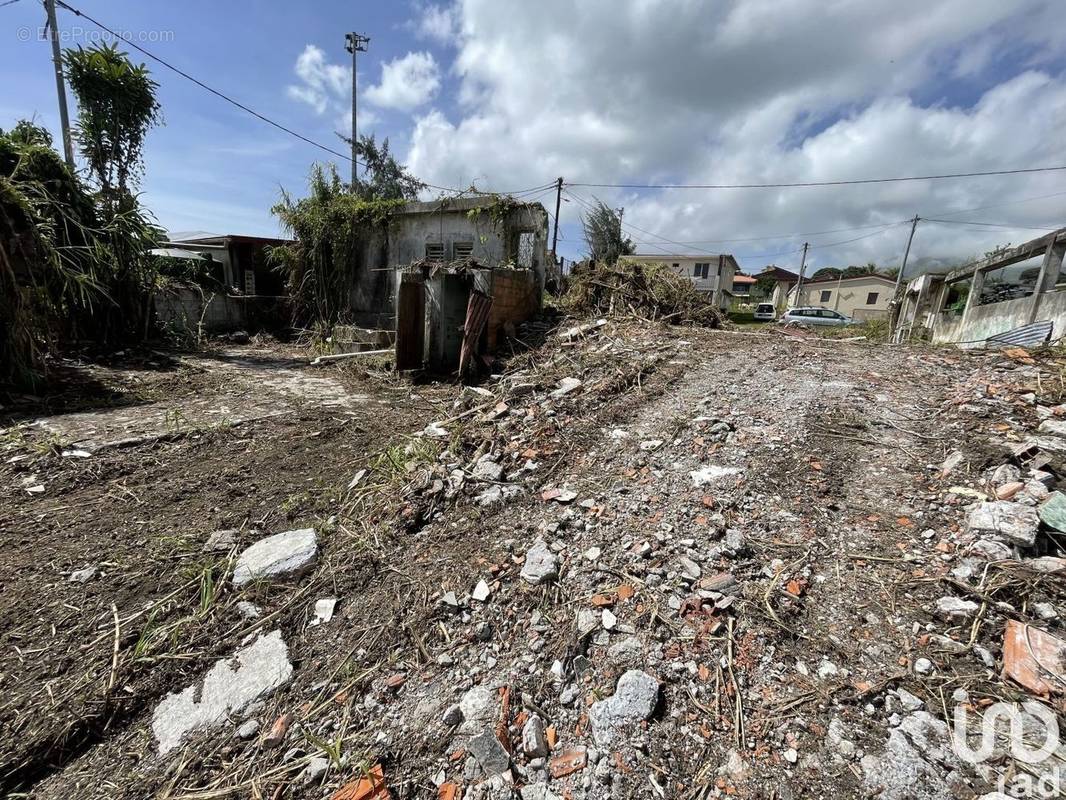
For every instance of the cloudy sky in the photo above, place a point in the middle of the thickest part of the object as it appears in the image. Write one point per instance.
(507, 95)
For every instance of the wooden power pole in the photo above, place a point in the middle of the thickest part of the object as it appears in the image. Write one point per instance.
(799, 283)
(558, 200)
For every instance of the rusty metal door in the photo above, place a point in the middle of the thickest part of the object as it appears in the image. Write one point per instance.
(410, 325)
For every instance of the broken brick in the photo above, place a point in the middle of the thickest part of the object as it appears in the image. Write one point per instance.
(568, 762)
(370, 787)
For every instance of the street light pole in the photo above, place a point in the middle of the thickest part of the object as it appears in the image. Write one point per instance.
(355, 43)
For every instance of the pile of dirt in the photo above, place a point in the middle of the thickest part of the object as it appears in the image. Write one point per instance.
(652, 292)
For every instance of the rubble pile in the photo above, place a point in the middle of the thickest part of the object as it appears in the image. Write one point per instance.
(608, 573)
(650, 291)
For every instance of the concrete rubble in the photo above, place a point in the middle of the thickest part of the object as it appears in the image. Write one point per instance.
(229, 688)
(282, 555)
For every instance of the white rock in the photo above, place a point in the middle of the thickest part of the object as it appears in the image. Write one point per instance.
(711, 474)
(608, 619)
(541, 564)
(231, 686)
(955, 609)
(315, 769)
(1012, 521)
(283, 554)
(909, 701)
(481, 592)
(478, 707)
(1045, 611)
(220, 541)
(324, 609)
(593, 554)
(82, 575)
(566, 386)
(534, 740)
(634, 699)
(486, 470)
(923, 666)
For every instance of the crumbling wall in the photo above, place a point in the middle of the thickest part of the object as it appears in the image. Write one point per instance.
(514, 299)
(374, 286)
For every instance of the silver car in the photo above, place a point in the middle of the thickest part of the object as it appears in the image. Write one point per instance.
(815, 316)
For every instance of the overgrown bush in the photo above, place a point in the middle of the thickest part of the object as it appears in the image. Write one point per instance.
(58, 274)
(331, 228)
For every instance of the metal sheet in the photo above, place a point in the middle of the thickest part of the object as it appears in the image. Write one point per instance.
(477, 315)
(1030, 335)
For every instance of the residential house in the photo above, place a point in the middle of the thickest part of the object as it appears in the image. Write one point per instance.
(709, 273)
(743, 285)
(783, 281)
(242, 260)
(862, 297)
(247, 292)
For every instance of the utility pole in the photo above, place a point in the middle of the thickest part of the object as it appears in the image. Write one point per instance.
(355, 43)
(896, 305)
(803, 266)
(558, 199)
(61, 88)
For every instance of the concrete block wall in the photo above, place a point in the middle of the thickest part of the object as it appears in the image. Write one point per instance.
(514, 299)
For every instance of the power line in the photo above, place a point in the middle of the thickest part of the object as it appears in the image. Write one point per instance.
(229, 99)
(805, 184)
(999, 205)
(989, 224)
(8, 3)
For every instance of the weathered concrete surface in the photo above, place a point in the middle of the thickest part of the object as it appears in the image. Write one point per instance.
(282, 554)
(253, 385)
(231, 686)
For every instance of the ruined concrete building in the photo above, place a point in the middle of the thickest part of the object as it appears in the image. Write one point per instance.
(1010, 289)
(443, 259)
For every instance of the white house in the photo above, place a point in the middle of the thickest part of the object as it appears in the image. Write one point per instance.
(710, 273)
(863, 297)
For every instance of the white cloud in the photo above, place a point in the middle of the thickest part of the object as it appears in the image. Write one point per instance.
(406, 82)
(321, 84)
(326, 87)
(439, 23)
(741, 91)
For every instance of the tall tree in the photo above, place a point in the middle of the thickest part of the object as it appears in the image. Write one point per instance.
(117, 107)
(603, 234)
(384, 178)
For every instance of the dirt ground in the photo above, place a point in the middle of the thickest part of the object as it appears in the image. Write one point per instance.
(759, 523)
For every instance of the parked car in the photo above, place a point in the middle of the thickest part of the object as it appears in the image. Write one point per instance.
(765, 312)
(815, 316)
